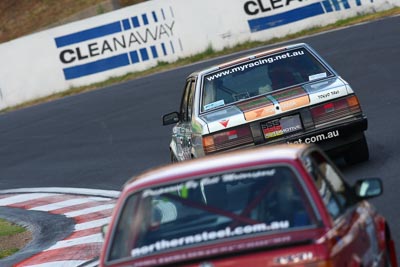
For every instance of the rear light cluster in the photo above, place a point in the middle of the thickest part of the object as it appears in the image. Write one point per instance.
(335, 110)
(227, 139)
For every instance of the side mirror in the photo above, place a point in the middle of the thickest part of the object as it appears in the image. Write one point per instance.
(104, 230)
(368, 188)
(170, 118)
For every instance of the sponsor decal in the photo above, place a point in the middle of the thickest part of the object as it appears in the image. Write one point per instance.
(180, 255)
(317, 76)
(232, 113)
(193, 184)
(292, 98)
(257, 108)
(325, 90)
(208, 236)
(261, 9)
(224, 123)
(295, 258)
(316, 138)
(328, 94)
(295, 103)
(215, 104)
(280, 127)
(260, 113)
(142, 37)
(253, 64)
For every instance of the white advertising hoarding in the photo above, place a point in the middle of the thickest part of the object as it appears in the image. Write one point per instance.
(138, 37)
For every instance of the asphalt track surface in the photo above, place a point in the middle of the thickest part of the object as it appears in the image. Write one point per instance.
(101, 138)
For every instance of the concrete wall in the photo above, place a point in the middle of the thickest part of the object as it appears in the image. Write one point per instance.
(137, 37)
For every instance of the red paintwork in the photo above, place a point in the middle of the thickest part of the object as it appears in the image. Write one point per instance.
(336, 243)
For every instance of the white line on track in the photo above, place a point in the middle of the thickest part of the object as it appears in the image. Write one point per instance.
(103, 201)
(22, 198)
(96, 238)
(92, 264)
(71, 263)
(65, 190)
(89, 210)
(92, 224)
(61, 204)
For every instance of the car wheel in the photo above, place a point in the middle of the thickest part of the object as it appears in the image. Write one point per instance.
(358, 152)
(388, 262)
(173, 158)
(390, 251)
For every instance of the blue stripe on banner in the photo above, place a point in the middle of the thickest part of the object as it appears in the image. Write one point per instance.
(88, 34)
(134, 56)
(126, 24)
(336, 4)
(154, 51)
(96, 66)
(135, 22)
(268, 22)
(145, 20)
(327, 5)
(164, 49)
(346, 4)
(144, 54)
(154, 16)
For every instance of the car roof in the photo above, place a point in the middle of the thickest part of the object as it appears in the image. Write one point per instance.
(247, 58)
(218, 163)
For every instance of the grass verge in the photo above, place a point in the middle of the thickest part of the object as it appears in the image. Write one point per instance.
(209, 53)
(8, 229)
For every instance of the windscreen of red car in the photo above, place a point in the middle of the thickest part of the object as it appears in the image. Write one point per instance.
(261, 76)
(211, 209)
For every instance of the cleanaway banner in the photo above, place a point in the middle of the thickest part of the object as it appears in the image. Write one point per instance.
(138, 37)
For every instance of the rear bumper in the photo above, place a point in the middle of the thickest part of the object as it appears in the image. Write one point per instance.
(337, 137)
(332, 139)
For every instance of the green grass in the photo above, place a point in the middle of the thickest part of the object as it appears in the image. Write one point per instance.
(7, 228)
(7, 252)
(210, 53)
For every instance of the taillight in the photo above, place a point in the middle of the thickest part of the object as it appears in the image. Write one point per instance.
(335, 110)
(227, 139)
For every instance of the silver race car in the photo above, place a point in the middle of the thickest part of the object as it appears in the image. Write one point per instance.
(285, 95)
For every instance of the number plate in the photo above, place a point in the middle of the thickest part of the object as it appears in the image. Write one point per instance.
(280, 127)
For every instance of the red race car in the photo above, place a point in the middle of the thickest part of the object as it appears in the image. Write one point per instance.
(284, 205)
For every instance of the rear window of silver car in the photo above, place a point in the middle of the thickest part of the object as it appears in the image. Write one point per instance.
(260, 76)
(211, 209)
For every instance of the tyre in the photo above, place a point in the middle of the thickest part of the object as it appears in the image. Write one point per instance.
(390, 257)
(358, 152)
(388, 262)
(173, 158)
